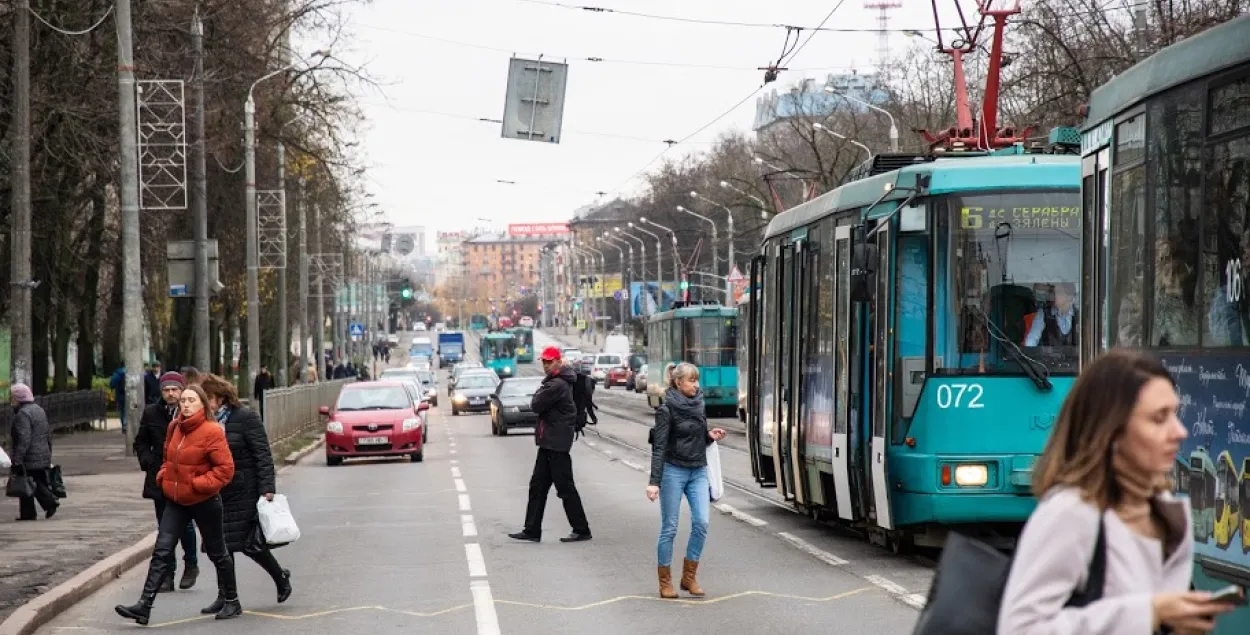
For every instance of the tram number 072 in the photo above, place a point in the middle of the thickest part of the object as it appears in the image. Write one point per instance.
(960, 396)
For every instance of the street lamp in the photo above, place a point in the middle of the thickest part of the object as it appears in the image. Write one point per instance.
(763, 206)
(659, 260)
(893, 128)
(673, 235)
(642, 245)
(253, 253)
(844, 138)
(606, 240)
(680, 208)
(729, 292)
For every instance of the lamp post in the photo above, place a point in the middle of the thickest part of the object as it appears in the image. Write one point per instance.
(673, 236)
(729, 290)
(893, 127)
(659, 263)
(680, 208)
(844, 138)
(606, 240)
(642, 246)
(253, 253)
(763, 206)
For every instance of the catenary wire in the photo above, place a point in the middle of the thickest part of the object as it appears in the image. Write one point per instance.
(69, 32)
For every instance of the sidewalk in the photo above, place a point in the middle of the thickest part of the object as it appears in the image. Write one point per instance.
(104, 513)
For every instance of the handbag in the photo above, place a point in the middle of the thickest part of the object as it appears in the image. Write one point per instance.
(5, 461)
(56, 482)
(968, 585)
(19, 486)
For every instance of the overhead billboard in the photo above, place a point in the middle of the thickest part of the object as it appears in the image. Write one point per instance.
(521, 230)
(647, 298)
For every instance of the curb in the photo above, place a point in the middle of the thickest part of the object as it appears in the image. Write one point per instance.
(39, 611)
(296, 456)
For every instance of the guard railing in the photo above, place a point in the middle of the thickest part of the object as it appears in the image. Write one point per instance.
(64, 409)
(289, 412)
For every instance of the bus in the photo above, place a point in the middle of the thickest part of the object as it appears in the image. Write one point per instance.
(499, 353)
(524, 344)
(706, 336)
(1165, 166)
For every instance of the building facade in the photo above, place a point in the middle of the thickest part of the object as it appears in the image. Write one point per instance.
(809, 99)
(504, 266)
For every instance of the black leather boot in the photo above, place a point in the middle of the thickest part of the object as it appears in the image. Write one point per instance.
(189, 576)
(281, 577)
(140, 612)
(215, 607)
(227, 589)
(230, 609)
(284, 586)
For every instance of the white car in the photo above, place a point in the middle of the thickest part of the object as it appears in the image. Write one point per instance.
(604, 363)
(527, 321)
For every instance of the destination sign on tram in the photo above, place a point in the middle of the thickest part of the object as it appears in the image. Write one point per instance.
(1041, 217)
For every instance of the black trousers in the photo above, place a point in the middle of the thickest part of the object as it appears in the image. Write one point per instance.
(552, 467)
(47, 500)
(268, 562)
(187, 539)
(208, 518)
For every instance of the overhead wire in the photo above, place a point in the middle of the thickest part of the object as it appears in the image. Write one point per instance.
(70, 32)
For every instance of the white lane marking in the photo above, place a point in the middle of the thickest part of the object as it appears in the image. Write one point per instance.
(455, 461)
(466, 523)
(816, 552)
(915, 600)
(886, 585)
(477, 564)
(608, 452)
(452, 451)
(484, 608)
(460, 486)
(591, 443)
(464, 503)
(632, 465)
(737, 515)
(455, 472)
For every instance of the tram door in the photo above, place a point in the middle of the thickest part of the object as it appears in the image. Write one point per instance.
(753, 331)
(802, 329)
(784, 409)
(842, 374)
(882, 371)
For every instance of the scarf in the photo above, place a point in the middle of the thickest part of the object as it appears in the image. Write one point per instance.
(187, 424)
(223, 414)
(685, 408)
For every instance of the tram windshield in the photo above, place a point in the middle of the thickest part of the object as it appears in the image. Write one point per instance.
(498, 348)
(711, 341)
(1014, 270)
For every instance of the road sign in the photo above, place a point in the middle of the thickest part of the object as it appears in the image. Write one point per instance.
(178, 291)
(356, 329)
(736, 275)
(620, 294)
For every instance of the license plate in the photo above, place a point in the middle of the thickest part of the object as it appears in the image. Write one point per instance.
(477, 400)
(373, 441)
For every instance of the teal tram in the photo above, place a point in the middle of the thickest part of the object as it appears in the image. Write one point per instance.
(706, 336)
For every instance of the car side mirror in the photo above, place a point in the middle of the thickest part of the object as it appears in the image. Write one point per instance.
(423, 406)
(324, 410)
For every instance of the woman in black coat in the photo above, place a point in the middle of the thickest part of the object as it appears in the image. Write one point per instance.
(253, 478)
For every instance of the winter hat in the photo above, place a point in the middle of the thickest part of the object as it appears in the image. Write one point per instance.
(172, 379)
(22, 393)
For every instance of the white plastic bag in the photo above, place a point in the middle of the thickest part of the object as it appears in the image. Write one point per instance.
(715, 483)
(5, 461)
(276, 521)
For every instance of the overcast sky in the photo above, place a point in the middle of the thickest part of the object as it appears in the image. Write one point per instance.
(442, 172)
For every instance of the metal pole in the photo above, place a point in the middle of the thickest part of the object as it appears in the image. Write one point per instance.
(199, 206)
(729, 286)
(21, 286)
(253, 260)
(319, 317)
(132, 274)
(303, 282)
(284, 327)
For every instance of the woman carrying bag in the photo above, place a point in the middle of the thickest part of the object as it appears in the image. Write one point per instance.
(254, 478)
(30, 479)
(679, 468)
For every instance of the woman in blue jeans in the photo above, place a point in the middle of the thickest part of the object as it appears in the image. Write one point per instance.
(679, 468)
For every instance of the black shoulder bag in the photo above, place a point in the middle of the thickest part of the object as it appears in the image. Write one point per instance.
(968, 585)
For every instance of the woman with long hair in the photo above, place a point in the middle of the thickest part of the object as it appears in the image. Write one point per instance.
(196, 466)
(254, 477)
(1103, 474)
(679, 468)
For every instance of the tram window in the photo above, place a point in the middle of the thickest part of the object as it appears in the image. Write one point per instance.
(711, 341)
(1128, 241)
(1015, 267)
(1226, 245)
(1130, 141)
(1230, 107)
(1175, 145)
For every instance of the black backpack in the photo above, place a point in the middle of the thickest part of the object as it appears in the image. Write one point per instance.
(583, 397)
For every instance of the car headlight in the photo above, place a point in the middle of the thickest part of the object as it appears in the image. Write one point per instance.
(334, 427)
(431, 392)
(459, 398)
(410, 425)
(512, 410)
(971, 475)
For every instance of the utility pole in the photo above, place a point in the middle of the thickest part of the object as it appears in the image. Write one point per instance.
(253, 252)
(22, 285)
(132, 289)
(303, 281)
(199, 204)
(284, 329)
(319, 329)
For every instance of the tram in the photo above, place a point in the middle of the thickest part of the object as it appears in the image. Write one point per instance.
(524, 344)
(498, 353)
(706, 336)
(744, 381)
(478, 322)
(1166, 174)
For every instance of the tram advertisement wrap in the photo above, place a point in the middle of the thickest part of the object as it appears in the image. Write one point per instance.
(1213, 467)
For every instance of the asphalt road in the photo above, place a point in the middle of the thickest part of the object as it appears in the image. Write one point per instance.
(394, 546)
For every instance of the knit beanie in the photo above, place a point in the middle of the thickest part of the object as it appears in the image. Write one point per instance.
(172, 379)
(22, 393)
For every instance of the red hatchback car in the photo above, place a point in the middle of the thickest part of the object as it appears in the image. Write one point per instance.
(374, 418)
(617, 376)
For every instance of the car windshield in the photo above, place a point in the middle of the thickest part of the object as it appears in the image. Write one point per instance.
(397, 374)
(609, 360)
(373, 398)
(425, 376)
(519, 387)
(477, 380)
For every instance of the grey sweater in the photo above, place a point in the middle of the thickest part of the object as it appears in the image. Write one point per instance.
(32, 440)
(1052, 560)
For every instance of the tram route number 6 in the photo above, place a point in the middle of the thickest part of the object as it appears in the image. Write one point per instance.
(959, 396)
(1232, 273)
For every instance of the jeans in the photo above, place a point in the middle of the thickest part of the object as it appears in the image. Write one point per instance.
(208, 518)
(187, 539)
(552, 467)
(674, 483)
(47, 500)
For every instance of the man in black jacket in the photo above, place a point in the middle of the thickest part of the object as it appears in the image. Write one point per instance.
(150, 448)
(557, 416)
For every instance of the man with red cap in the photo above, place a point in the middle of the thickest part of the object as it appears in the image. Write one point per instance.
(557, 417)
(150, 448)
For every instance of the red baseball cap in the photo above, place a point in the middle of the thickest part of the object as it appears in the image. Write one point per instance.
(550, 354)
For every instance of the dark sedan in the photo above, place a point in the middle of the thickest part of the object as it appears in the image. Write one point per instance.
(472, 392)
(510, 405)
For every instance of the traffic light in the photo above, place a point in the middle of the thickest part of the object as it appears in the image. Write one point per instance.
(406, 293)
(685, 285)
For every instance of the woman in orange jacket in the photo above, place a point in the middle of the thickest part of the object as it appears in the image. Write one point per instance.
(197, 465)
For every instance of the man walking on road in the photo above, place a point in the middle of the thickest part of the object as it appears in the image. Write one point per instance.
(553, 403)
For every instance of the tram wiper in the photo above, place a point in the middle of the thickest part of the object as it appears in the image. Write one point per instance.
(1042, 381)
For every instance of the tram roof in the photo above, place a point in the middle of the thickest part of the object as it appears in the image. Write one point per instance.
(947, 175)
(499, 336)
(1218, 48)
(699, 310)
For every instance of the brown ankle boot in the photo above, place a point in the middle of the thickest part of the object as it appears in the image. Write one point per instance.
(688, 582)
(666, 583)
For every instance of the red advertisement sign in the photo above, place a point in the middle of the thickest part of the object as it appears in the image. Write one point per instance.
(537, 229)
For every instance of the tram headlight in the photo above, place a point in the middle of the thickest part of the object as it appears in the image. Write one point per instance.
(972, 475)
